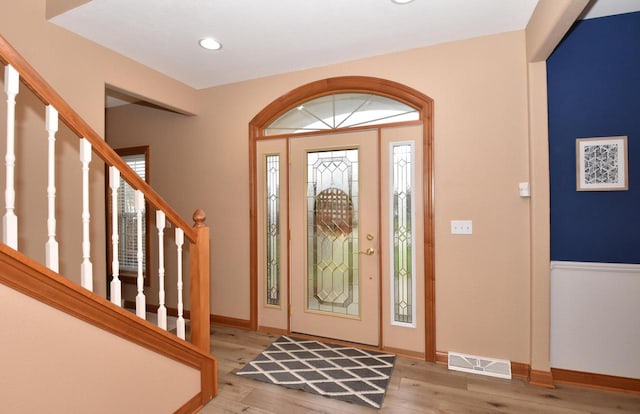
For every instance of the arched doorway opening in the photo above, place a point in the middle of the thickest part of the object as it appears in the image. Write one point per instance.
(275, 140)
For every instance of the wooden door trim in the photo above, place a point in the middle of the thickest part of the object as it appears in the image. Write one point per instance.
(357, 84)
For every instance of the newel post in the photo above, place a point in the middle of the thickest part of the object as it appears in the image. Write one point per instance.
(199, 264)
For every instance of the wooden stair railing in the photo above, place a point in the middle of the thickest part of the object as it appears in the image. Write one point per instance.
(198, 235)
(30, 278)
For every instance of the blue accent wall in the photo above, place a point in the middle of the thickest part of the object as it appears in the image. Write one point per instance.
(594, 91)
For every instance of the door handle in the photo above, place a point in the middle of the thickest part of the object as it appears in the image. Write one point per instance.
(368, 252)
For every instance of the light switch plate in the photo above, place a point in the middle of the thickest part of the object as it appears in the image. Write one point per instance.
(461, 227)
(524, 189)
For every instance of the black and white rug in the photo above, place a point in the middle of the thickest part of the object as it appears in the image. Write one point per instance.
(348, 374)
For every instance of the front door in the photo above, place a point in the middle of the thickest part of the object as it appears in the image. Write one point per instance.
(334, 219)
(355, 260)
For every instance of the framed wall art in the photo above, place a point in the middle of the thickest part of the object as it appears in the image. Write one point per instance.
(601, 164)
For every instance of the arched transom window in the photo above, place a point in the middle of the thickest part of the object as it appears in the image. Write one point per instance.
(342, 110)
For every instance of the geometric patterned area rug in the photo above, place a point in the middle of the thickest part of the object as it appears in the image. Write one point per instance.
(335, 371)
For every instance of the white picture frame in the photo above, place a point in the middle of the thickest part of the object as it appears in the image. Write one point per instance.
(601, 164)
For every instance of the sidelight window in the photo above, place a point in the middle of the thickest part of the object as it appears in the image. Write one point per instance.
(402, 246)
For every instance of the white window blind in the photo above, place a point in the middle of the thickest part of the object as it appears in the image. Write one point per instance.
(127, 219)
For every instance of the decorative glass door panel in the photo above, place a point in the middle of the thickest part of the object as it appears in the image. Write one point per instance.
(332, 232)
(334, 236)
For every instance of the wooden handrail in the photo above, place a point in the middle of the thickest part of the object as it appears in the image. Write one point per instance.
(31, 278)
(32, 79)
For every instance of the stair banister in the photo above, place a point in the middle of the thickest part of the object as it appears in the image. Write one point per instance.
(52, 257)
(116, 284)
(198, 235)
(10, 220)
(162, 309)
(86, 268)
(32, 79)
(44, 284)
(180, 323)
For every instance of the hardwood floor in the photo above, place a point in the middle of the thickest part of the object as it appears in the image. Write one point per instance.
(416, 387)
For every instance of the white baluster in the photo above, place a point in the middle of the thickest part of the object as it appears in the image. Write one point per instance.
(141, 307)
(10, 220)
(86, 269)
(116, 285)
(162, 310)
(51, 248)
(180, 323)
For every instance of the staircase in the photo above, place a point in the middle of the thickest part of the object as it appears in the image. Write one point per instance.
(66, 348)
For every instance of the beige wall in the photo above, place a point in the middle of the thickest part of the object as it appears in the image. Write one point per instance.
(540, 216)
(479, 87)
(549, 23)
(78, 70)
(481, 153)
(51, 351)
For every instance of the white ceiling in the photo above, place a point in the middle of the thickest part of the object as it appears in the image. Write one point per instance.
(262, 38)
(600, 8)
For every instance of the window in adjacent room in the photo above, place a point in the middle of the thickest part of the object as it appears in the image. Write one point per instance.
(138, 159)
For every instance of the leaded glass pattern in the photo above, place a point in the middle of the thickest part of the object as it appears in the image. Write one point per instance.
(402, 232)
(332, 232)
(272, 230)
(342, 110)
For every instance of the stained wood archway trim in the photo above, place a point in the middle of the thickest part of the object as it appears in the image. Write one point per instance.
(356, 84)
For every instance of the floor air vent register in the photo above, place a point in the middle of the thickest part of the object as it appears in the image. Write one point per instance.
(500, 368)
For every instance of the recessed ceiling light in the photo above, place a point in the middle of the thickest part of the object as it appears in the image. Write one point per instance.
(210, 43)
(401, 1)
